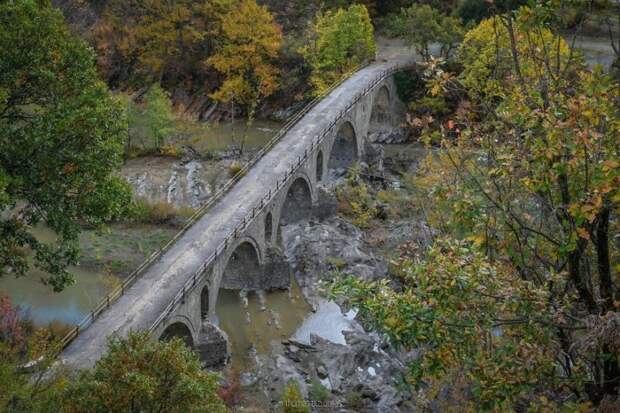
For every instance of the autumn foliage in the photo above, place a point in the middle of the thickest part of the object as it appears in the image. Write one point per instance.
(515, 305)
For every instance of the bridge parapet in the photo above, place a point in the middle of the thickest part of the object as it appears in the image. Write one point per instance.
(199, 260)
(197, 277)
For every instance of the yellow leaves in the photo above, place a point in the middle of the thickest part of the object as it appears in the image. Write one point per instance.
(583, 233)
(477, 239)
(252, 41)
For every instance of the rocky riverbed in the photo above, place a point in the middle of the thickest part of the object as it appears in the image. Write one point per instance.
(339, 366)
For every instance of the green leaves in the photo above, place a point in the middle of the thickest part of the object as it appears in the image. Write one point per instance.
(421, 25)
(468, 317)
(138, 374)
(61, 137)
(342, 41)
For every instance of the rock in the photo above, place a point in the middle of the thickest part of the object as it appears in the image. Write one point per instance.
(284, 114)
(327, 205)
(321, 371)
(391, 136)
(213, 346)
(247, 379)
(313, 251)
(383, 211)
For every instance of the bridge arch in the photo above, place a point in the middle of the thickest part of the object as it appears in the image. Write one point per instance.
(297, 203)
(243, 266)
(344, 150)
(178, 329)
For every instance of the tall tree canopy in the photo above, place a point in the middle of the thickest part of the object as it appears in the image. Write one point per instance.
(245, 56)
(140, 375)
(154, 41)
(61, 138)
(342, 41)
(517, 300)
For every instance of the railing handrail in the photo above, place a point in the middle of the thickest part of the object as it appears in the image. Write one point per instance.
(111, 298)
(264, 202)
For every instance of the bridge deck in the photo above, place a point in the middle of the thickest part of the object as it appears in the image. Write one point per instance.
(145, 300)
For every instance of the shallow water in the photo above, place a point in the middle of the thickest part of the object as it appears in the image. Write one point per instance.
(219, 136)
(327, 322)
(43, 306)
(268, 316)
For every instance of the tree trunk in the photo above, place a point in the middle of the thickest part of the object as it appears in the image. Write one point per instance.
(603, 261)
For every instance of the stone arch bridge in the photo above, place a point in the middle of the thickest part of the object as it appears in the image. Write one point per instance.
(231, 245)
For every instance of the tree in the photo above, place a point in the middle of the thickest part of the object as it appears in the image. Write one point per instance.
(460, 309)
(245, 56)
(138, 374)
(342, 41)
(61, 138)
(154, 41)
(292, 399)
(523, 192)
(474, 11)
(422, 25)
(151, 121)
(25, 388)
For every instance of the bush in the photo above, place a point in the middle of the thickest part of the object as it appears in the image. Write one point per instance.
(292, 400)
(140, 374)
(336, 263)
(355, 400)
(318, 392)
(486, 66)
(156, 213)
(234, 169)
(170, 151)
(410, 85)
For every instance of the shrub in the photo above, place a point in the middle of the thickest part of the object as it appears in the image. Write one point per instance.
(234, 169)
(317, 391)
(292, 399)
(144, 212)
(139, 374)
(487, 61)
(337, 263)
(355, 400)
(231, 393)
(410, 85)
(355, 202)
(170, 150)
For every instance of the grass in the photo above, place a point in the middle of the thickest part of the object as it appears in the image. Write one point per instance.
(121, 248)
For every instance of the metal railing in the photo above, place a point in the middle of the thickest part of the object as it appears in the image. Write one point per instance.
(198, 275)
(111, 298)
(223, 190)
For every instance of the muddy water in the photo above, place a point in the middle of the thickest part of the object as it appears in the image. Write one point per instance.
(219, 136)
(43, 306)
(266, 316)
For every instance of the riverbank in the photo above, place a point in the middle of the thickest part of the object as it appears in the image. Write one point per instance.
(337, 364)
